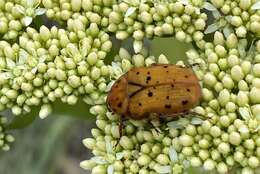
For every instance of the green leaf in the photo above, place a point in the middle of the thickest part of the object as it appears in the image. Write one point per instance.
(80, 110)
(22, 121)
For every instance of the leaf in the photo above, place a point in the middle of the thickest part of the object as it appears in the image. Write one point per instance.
(6, 75)
(27, 20)
(184, 2)
(119, 155)
(34, 70)
(109, 146)
(130, 11)
(40, 11)
(216, 14)
(211, 28)
(208, 6)
(20, 9)
(110, 169)
(196, 121)
(10, 63)
(24, 120)
(256, 6)
(245, 114)
(174, 125)
(42, 59)
(227, 31)
(30, 3)
(162, 169)
(228, 18)
(99, 160)
(173, 154)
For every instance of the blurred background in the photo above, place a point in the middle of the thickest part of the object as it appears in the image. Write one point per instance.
(54, 145)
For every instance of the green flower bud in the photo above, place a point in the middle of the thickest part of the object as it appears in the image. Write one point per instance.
(241, 31)
(186, 140)
(138, 60)
(234, 138)
(199, 24)
(11, 94)
(224, 148)
(45, 33)
(95, 73)
(255, 95)
(115, 17)
(256, 70)
(162, 159)
(230, 107)
(210, 79)
(249, 144)
(236, 21)
(237, 73)
(209, 164)
(180, 35)
(195, 162)
(232, 41)
(228, 82)
(99, 169)
(126, 143)
(253, 162)
(218, 38)
(233, 60)
(222, 167)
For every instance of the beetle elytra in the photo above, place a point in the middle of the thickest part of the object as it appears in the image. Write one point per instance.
(162, 89)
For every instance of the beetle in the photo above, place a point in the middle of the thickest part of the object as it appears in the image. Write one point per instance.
(164, 89)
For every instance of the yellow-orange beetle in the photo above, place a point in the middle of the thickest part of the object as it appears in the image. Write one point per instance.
(162, 89)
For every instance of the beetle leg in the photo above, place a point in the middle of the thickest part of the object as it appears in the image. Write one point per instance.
(156, 128)
(121, 126)
(192, 65)
(201, 116)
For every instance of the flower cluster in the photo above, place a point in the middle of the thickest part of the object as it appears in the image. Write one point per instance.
(231, 95)
(142, 149)
(53, 64)
(138, 19)
(5, 139)
(16, 15)
(229, 138)
(240, 17)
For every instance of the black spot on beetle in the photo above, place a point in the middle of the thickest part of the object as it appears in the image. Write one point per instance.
(150, 94)
(184, 102)
(188, 89)
(186, 76)
(137, 73)
(148, 72)
(167, 106)
(165, 66)
(172, 85)
(168, 97)
(148, 78)
(119, 105)
(167, 71)
(140, 104)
